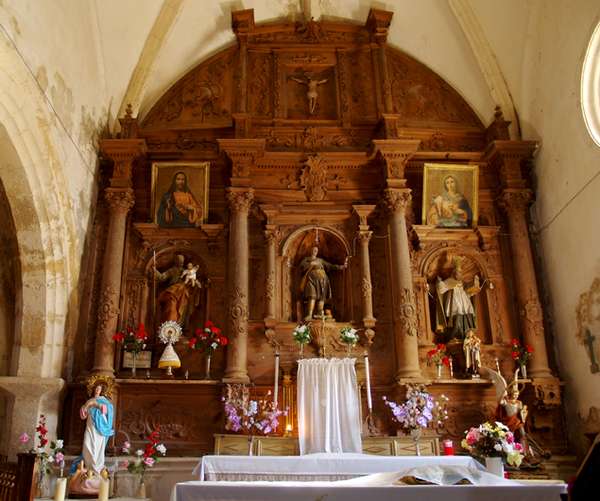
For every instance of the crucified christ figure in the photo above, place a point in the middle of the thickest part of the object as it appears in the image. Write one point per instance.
(311, 93)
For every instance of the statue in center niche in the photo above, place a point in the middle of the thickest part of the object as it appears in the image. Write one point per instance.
(182, 295)
(455, 312)
(315, 286)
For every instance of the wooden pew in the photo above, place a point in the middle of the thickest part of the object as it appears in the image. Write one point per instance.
(16, 479)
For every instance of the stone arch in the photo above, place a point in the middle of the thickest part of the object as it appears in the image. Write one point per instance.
(44, 225)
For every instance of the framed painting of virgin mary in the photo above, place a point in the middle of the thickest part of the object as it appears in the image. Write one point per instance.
(450, 195)
(180, 194)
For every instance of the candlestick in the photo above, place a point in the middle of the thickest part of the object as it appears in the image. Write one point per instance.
(497, 365)
(276, 384)
(451, 368)
(288, 429)
(368, 377)
(103, 492)
(61, 489)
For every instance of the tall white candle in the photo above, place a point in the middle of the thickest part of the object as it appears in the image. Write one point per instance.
(368, 374)
(103, 492)
(60, 489)
(276, 383)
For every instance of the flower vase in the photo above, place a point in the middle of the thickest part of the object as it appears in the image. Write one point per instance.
(207, 367)
(250, 445)
(523, 371)
(42, 486)
(133, 368)
(348, 350)
(141, 490)
(439, 371)
(495, 466)
(415, 434)
(301, 350)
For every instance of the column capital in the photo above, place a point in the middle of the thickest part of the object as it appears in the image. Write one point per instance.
(123, 153)
(272, 235)
(395, 153)
(378, 23)
(240, 199)
(364, 236)
(363, 212)
(396, 200)
(119, 199)
(515, 200)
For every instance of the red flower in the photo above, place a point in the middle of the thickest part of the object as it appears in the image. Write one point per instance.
(198, 331)
(192, 342)
(515, 355)
(216, 331)
(154, 437)
(446, 361)
(529, 349)
(118, 337)
(208, 324)
(431, 353)
(223, 340)
(515, 342)
(43, 442)
(441, 347)
(140, 333)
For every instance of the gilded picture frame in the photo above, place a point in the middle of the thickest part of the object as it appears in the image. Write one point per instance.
(450, 195)
(180, 194)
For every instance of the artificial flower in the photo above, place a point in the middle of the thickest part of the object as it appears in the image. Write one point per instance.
(24, 438)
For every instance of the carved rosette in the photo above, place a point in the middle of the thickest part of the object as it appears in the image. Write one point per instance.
(406, 312)
(366, 288)
(107, 307)
(119, 200)
(238, 312)
(397, 200)
(532, 313)
(240, 200)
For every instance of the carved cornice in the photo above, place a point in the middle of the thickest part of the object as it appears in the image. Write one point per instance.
(508, 157)
(378, 24)
(396, 199)
(240, 199)
(119, 199)
(123, 153)
(243, 154)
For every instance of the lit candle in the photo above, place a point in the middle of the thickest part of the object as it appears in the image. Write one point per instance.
(451, 368)
(288, 429)
(276, 384)
(103, 492)
(60, 489)
(368, 376)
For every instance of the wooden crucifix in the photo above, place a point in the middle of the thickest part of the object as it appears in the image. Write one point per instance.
(589, 341)
(312, 95)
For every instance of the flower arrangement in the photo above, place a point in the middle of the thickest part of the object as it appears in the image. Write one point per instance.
(146, 458)
(521, 354)
(420, 410)
(133, 340)
(252, 416)
(301, 334)
(47, 458)
(208, 339)
(493, 440)
(348, 335)
(438, 356)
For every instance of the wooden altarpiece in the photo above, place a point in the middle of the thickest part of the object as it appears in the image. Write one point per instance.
(341, 167)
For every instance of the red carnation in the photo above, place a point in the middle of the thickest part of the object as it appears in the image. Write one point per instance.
(223, 340)
(515, 342)
(198, 331)
(118, 337)
(208, 324)
(529, 349)
(431, 353)
(43, 442)
(446, 361)
(441, 347)
(192, 342)
(515, 355)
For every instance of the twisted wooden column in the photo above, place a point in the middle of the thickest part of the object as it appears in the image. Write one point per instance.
(240, 200)
(404, 311)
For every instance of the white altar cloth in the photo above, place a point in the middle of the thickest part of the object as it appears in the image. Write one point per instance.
(334, 491)
(311, 467)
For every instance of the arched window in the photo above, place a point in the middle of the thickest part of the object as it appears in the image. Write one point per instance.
(590, 87)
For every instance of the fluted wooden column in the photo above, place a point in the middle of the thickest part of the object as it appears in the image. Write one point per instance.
(240, 200)
(404, 310)
(120, 199)
(364, 237)
(516, 202)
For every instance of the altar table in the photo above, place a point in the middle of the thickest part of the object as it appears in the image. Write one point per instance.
(313, 467)
(303, 491)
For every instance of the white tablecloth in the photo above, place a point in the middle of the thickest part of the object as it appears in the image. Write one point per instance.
(316, 466)
(303, 491)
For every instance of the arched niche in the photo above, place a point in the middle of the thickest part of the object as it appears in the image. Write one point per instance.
(440, 264)
(333, 248)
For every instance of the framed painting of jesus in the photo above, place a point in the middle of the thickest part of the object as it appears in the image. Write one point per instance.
(450, 195)
(180, 194)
